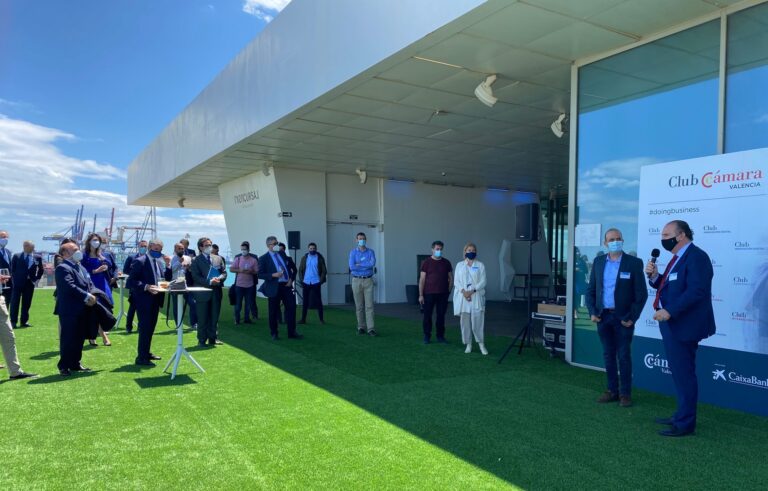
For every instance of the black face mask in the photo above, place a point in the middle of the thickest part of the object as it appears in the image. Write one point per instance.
(180, 253)
(669, 244)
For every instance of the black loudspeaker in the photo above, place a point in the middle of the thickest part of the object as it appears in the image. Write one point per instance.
(294, 240)
(527, 222)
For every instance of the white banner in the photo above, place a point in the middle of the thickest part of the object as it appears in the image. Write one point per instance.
(724, 198)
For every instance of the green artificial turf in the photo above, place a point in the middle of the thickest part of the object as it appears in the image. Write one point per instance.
(342, 411)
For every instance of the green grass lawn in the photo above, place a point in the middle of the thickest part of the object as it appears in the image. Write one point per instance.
(342, 411)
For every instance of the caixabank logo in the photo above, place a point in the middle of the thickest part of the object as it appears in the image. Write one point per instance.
(722, 374)
(655, 361)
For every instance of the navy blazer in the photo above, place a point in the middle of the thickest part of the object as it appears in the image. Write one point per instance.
(73, 285)
(267, 268)
(687, 296)
(142, 274)
(630, 293)
(21, 271)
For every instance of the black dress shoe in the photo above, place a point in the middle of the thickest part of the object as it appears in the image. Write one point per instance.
(80, 368)
(145, 363)
(64, 372)
(360, 330)
(442, 340)
(372, 333)
(296, 336)
(247, 321)
(24, 375)
(675, 431)
(275, 337)
(201, 344)
(663, 421)
(154, 357)
(14, 326)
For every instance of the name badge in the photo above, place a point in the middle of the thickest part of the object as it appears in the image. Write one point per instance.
(474, 268)
(625, 276)
(672, 277)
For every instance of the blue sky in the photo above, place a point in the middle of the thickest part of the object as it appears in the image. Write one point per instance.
(86, 85)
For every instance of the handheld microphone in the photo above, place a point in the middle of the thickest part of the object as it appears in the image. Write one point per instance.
(654, 256)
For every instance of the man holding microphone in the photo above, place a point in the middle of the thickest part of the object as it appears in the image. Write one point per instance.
(683, 306)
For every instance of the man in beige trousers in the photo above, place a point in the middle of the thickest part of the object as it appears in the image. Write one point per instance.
(362, 266)
(8, 341)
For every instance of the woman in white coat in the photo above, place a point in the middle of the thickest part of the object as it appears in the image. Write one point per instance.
(469, 298)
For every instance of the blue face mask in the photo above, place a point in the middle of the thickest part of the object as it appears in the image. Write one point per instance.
(156, 254)
(142, 250)
(438, 253)
(615, 246)
(470, 255)
(361, 242)
(312, 253)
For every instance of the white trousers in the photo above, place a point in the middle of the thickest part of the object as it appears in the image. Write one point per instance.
(472, 323)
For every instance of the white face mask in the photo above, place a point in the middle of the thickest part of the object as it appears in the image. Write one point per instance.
(95, 244)
(3, 242)
(77, 256)
(244, 251)
(208, 250)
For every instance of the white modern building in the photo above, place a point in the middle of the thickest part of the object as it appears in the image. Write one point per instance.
(347, 115)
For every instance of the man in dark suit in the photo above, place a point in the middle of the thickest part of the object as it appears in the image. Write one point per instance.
(188, 297)
(684, 311)
(208, 270)
(74, 305)
(615, 297)
(147, 272)
(5, 263)
(278, 288)
(292, 273)
(312, 275)
(127, 270)
(26, 271)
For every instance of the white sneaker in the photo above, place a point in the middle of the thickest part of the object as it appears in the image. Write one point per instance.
(482, 348)
(469, 348)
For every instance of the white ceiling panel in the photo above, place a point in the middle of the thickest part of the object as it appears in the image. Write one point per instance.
(646, 16)
(519, 24)
(579, 40)
(581, 9)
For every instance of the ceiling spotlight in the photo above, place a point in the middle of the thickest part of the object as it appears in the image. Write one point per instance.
(266, 167)
(181, 202)
(484, 92)
(558, 126)
(363, 175)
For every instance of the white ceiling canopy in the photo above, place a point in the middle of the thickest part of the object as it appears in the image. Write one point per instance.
(414, 114)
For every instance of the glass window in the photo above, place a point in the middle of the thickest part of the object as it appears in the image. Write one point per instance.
(746, 109)
(655, 103)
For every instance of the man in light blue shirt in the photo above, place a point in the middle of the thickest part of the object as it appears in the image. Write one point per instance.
(362, 266)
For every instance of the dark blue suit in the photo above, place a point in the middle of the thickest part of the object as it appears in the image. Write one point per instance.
(131, 306)
(24, 278)
(277, 292)
(629, 297)
(72, 288)
(145, 272)
(687, 296)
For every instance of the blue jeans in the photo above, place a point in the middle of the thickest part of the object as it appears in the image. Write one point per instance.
(617, 345)
(247, 295)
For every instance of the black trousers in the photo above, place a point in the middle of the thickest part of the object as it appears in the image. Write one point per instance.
(286, 297)
(208, 312)
(21, 295)
(131, 313)
(148, 310)
(71, 338)
(312, 297)
(438, 302)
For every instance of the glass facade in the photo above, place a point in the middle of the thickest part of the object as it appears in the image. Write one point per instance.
(659, 102)
(746, 102)
(655, 103)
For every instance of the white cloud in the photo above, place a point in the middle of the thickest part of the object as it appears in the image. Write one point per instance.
(264, 9)
(762, 119)
(41, 188)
